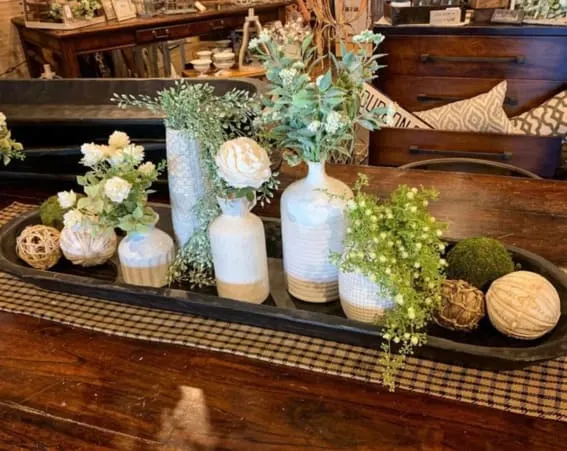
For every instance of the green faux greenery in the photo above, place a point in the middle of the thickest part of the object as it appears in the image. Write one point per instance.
(315, 119)
(212, 120)
(397, 245)
(9, 148)
(51, 213)
(479, 261)
(543, 9)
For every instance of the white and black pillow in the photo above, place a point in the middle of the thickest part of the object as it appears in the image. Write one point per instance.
(483, 113)
(548, 119)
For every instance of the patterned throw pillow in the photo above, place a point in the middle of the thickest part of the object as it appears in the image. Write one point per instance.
(483, 113)
(548, 119)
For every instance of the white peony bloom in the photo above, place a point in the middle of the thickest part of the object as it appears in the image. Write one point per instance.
(135, 153)
(242, 163)
(117, 189)
(2, 120)
(118, 140)
(147, 169)
(72, 218)
(66, 199)
(92, 154)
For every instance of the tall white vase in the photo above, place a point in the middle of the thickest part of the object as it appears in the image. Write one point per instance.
(313, 225)
(362, 299)
(145, 257)
(238, 246)
(186, 182)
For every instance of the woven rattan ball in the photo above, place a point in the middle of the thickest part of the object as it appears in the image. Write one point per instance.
(462, 306)
(38, 246)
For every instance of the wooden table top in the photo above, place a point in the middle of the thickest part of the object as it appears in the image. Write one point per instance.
(67, 388)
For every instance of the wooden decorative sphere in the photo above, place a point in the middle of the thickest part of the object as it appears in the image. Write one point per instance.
(38, 246)
(462, 306)
(523, 305)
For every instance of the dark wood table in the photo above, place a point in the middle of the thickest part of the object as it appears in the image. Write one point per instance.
(67, 388)
(62, 48)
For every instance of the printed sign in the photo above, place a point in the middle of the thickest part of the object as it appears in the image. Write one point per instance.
(372, 98)
(449, 16)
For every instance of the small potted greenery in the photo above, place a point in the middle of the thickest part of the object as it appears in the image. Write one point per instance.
(9, 148)
(391, 269)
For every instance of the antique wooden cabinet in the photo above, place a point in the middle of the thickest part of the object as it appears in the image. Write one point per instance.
(431, 66)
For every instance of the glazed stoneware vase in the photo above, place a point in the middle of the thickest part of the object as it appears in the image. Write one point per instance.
(313, 225)
(238, 246)
(145, 257)
(85, 247)
(361, 299)
(186, 183)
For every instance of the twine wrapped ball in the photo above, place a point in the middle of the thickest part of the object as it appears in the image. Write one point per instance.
(523, 305)
(38, 246)
(85, 248)
(462, 306)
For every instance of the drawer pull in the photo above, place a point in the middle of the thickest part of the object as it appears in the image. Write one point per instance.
(505, 156)
(426, 58)
(162, 33)
(426, 98)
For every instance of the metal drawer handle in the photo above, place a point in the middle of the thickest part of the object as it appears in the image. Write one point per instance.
(519, 59)
(425, 98)
(504, 156)
(162, 33)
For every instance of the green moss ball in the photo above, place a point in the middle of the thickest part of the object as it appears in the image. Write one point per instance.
(51, 213)
(479, 261)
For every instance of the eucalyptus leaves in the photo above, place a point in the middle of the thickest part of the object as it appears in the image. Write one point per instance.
(316, 119)
(396, 244)
(9, 148)
(116, 187)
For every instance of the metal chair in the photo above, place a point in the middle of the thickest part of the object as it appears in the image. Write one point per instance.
(464, 164)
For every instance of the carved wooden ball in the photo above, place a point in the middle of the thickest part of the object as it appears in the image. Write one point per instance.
(462, 306)
(38, 246)
(523, 305)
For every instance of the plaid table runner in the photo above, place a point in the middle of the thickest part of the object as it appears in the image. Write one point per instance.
(539, 390)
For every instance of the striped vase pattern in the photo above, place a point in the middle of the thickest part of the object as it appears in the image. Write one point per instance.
(145, 258)
(313, 225)
(361, 299)
(186, 183)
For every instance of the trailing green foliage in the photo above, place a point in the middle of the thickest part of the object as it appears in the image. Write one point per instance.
(397, 245)
(9, 148)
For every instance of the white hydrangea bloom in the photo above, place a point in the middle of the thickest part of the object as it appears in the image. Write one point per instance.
(117, 189)
(92, 154)
(66, 199)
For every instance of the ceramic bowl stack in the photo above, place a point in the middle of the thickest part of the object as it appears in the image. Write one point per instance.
(202, 65)
(224, 61)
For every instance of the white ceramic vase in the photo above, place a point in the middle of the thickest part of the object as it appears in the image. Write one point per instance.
(85, 247)
(238, 246)
(361, 299)
(145, 257)
(186, 182)
(313, 225)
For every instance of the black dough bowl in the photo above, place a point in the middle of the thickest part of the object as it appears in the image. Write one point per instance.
(484, 348)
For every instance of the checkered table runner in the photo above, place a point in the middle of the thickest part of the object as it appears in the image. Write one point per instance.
(539, 390)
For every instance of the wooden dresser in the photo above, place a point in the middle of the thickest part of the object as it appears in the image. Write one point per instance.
(430, 66)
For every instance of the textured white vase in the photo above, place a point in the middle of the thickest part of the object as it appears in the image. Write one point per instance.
(361, 299)
(313, 225)
(145, 257)
(85, 247)
(186, 182)
(238, 246)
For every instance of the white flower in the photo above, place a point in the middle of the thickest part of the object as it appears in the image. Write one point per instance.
(118, 140)
(386, 336)
(147, 169)
(287, 76)
(425, 203)
(396, 339)
(72, 218)
(438, 233)
(253, 44)
(382, 259)
(373, 218)
(350, 205)
(117, 189)
(411, 313)
(414, 340)
(92, 154)
(413, 208)
(314, 126)
(411, 194)
(66, 199)
(298, 65)
(416, 265)
(243, 163)
(357, 222)
(405, 255)
(399, 299)
(418, 245)
(2, 120)
(135, 153)
(349, 230)
(334, 122)
(407, 336)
